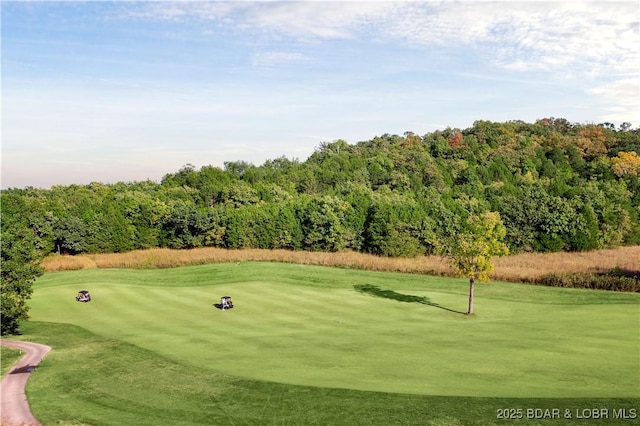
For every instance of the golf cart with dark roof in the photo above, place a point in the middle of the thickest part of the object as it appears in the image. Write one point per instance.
(225, 303)
(83, 296)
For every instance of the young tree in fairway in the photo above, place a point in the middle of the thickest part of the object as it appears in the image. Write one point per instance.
(470, 251)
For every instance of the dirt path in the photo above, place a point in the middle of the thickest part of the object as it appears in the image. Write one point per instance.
(14, 407)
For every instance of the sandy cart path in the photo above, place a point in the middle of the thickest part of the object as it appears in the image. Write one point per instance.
(14, 407)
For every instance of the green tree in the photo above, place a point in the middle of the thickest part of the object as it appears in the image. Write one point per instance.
(145, 212)
(21, 249)
(471, 251)
(241, 226)
(288, 231)
(239, 194)
(323, 224)
(71, 235)
(358, 196)
(110, 231)
(187, 227)
(393, 226)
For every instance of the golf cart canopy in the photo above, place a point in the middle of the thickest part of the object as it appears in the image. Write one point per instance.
(83, 296)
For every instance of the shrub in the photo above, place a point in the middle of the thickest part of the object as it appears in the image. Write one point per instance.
(614, 280)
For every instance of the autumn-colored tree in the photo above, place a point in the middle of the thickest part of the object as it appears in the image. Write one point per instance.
(591, 141)
(626, 164)
(455, 140)
(471, 251)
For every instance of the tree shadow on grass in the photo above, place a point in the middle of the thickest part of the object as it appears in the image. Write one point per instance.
(407, 298)
(23, 369)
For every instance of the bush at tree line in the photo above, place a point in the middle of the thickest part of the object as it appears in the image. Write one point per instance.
(611, 281)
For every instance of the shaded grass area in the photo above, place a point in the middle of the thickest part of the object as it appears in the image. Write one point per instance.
(88, 379)
(407, 298)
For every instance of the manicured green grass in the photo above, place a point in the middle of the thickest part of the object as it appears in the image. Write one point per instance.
(314, 345)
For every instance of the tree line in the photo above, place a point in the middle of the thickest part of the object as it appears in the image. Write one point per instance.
(556, 185)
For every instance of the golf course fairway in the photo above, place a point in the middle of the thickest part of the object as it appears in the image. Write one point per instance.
(331, 328)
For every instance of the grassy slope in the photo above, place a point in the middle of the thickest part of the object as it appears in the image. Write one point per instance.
(327, 327)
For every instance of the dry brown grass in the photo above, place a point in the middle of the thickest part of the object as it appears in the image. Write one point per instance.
(529, 266)
(67, 263)
(517, 268)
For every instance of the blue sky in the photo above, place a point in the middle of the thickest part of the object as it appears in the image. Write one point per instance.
(127, 91)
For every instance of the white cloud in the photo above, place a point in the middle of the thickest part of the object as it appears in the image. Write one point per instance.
(602, 37)
(178, 11)
(316, 19)
(301, 19)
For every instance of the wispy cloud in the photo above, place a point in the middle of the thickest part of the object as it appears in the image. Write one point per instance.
(586, 42)
(317, 19)
(298, 18)
(178, 11)
(600, 37)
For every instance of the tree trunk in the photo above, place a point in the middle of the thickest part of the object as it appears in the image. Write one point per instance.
(471, 280)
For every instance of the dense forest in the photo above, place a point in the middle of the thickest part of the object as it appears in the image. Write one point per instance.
(556, 185)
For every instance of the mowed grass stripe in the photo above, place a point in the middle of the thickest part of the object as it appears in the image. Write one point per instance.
(304, 341)
(183, 317)
(383, 339)
(309, 342)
